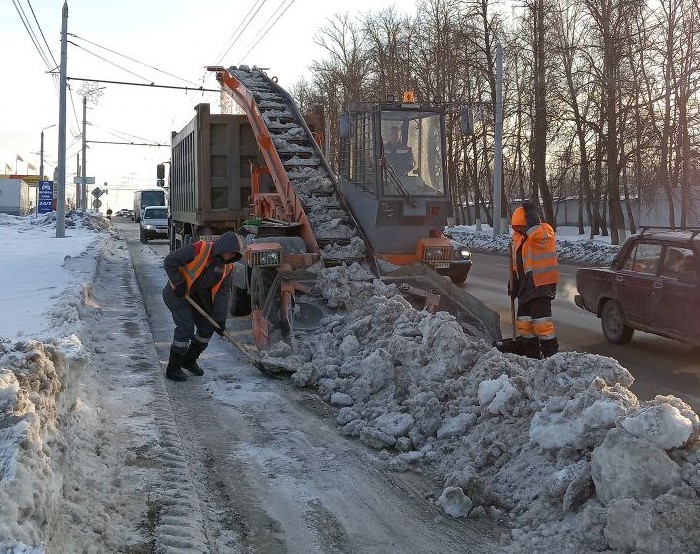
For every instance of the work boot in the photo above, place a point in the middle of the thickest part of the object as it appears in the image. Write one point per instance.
(549, 347)
(190, 359)
(530, 347)
(174, 370)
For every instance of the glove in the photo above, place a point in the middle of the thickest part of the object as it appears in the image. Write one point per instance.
(513, 288)
(221, 329)
(531, 216)
(180, 290)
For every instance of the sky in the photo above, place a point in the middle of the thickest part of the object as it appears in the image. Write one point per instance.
(173, 40)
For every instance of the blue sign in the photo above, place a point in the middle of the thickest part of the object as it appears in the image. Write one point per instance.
(45, 197)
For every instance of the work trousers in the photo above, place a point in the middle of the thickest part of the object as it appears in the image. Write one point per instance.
(186, 320)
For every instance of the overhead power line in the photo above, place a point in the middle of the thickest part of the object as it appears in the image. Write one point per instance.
(55, 63)
(108, 61)
(127, 143)
(265, 32)
(32, 34)
(149, 85)
(131, 59)
(236, 35)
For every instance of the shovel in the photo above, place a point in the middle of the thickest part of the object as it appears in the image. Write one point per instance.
(257, 363)
(510, 344)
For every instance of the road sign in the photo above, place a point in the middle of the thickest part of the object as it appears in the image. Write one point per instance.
(97, 203)
(45, 197)
(79, 180)
(97, 192)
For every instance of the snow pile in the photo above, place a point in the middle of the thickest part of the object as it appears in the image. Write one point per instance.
(35, 392)
(569, 249)
(559, 448)
(76, 220)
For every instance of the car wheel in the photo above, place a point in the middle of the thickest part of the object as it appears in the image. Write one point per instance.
(613, 322)
(142, 236)
(240, 302)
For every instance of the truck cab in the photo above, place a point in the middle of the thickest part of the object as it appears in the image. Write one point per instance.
(393, 177)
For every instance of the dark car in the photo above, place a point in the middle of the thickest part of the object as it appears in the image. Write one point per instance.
(652, 284)
(458, 269)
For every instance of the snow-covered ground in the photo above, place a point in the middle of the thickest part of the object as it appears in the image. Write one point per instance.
(559, 449)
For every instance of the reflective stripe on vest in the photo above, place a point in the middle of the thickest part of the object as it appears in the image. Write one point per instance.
(538, 254)
(191, 271)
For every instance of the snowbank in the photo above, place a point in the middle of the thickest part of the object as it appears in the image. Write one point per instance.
(559, 448)
(46, 286)
(570, 247)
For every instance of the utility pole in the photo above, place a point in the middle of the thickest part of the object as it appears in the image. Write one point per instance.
(61, 204)
(498, 147)
(77, 186)
(83, 198)
(89, 93)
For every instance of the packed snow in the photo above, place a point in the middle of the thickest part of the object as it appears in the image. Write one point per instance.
(557, 450)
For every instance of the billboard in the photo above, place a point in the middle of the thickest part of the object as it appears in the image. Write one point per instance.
(45, 197)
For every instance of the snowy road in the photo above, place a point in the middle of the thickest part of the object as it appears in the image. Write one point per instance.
(270, 471)
(659, 365)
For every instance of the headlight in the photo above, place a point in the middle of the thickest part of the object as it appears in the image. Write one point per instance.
(465, 253)
(149, 227)
(264, 258)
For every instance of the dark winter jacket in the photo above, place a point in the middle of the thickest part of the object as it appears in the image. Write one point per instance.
(210, 283)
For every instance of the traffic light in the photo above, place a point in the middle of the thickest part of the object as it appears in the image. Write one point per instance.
(160, 175)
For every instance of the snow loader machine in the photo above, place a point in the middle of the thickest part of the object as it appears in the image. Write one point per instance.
(379, 213)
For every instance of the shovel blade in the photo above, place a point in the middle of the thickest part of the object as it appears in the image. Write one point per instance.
(509, 345)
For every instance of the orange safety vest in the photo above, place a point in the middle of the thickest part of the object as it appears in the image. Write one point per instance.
(539, 253)
(191, 271)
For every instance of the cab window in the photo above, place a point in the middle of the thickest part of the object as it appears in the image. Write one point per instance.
(676, 261)
(643, 258)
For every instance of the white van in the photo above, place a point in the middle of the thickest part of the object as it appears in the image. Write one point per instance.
(154, 223)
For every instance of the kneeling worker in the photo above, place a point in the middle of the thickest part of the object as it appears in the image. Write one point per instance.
(202, 271)
(536, 275)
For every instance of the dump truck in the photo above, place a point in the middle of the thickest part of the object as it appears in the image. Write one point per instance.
(270, 181)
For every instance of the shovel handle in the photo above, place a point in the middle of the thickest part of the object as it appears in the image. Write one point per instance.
(511, 283)
(224, 334)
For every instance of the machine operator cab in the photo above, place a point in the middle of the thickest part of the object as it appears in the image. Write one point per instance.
(393, 176)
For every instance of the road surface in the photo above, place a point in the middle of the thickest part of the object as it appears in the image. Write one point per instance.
(271, 471)
(659, 365)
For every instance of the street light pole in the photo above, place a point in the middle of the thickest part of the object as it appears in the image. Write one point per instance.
(61, 207)
(82, 200)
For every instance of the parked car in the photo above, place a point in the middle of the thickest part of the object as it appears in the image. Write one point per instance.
(130, 213)
(154, 223)
(652, 284)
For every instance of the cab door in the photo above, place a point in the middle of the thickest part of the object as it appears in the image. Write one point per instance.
(674, 305)
(634, 281)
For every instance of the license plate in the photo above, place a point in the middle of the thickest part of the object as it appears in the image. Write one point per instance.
(442, 265)
(209, 238)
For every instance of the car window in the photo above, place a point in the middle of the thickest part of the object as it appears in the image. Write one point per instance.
(155, 214)
(643, 258)
(677, 260)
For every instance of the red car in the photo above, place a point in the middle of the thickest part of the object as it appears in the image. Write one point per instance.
(652, 284)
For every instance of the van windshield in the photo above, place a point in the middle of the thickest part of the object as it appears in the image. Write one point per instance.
(158, 213)
(152, 198)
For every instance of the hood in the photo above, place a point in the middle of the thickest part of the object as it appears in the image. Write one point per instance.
(229, 242)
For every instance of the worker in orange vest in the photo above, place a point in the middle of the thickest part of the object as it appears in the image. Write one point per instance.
(202, 271)
(535, 278)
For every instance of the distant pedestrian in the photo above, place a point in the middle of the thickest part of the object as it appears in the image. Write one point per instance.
(536, 274)
(202, 271)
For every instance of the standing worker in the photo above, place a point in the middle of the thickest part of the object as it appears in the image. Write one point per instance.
(535, 278)
(200, 270)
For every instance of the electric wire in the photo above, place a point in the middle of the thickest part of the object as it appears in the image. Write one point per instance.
(132, 59)
(109, 62)
(243, 24)
(32, 35)
(119, 134)
(42, 34)
(150, 85)
(265, 32)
